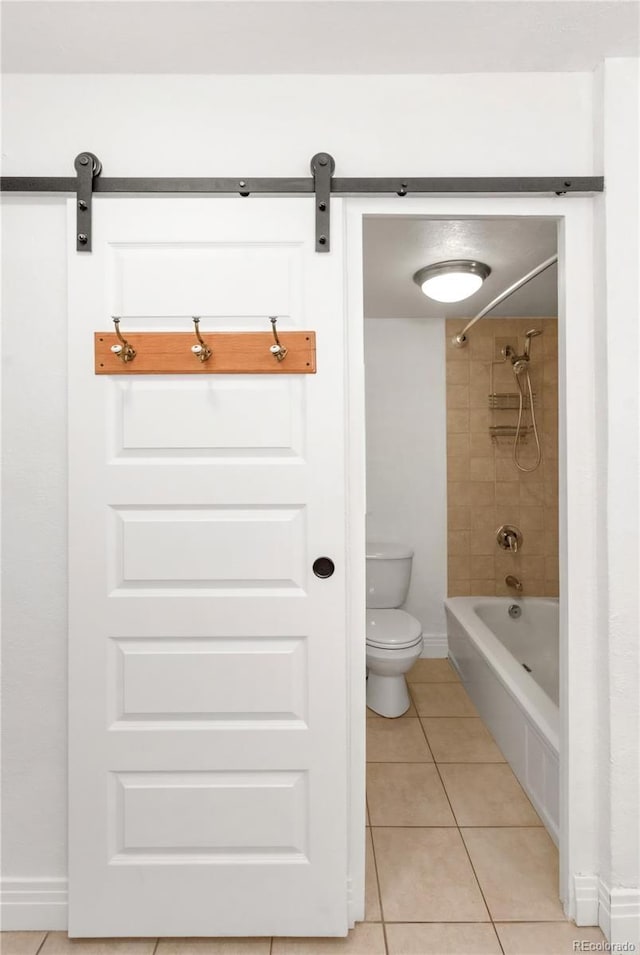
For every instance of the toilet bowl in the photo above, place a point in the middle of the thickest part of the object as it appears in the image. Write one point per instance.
(394, 637)
(394, 643)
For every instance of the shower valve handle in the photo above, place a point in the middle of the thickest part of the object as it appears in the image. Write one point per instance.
(509, 538)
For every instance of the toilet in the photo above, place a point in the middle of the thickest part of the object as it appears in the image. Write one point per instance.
(394, 637)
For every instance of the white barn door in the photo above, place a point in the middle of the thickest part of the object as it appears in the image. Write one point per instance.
(208, 685)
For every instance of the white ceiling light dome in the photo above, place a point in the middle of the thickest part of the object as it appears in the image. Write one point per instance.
(452, 281)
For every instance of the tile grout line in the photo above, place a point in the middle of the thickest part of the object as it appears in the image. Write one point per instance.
(378, 890)
(40, 946)
(475, 874)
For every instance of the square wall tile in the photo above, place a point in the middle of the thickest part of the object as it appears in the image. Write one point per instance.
(482, 493)
(457, 420)
(459, 543)
(459, 567)
(458, 468)
(481, 444)
(483, 567)
(481, 472)
(459, 517)
(482, 542)
(457, 396)
(482, 469)
(482, 587)
(458, 443)
(458, 373)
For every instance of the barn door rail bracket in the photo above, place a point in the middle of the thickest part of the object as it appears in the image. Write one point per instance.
(321, 185)
(323, 167)
(88, 167)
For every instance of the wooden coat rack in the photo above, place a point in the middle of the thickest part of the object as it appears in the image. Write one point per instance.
(213, 353)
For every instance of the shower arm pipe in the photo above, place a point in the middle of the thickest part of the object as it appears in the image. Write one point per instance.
(460, 340)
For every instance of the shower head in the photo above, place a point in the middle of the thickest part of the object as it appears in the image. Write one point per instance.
(528, 336)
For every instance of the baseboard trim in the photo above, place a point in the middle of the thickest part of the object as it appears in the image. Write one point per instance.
(619, 916)
(33, 904)
(434, 646)
(41, 905)
(585, 899)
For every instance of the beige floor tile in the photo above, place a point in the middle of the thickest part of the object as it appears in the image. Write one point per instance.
(371, 896)
(58, 943)
(550, 938)
(20, 943)
(432, 671)
(407, 794)
(442, 699)
(425, 876)
(442, 939)
(411, 712)
(518, 872)
(461, 740)
(487, 794)
(366, 938)
(214, 946)
(396, 741)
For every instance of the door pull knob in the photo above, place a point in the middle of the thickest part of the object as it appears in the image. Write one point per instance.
(323, 567)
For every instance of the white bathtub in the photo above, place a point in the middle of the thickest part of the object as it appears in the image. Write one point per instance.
(510, 670)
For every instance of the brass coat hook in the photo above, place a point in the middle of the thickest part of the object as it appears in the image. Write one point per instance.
(201, 350)
(123, 350)
(278, 350)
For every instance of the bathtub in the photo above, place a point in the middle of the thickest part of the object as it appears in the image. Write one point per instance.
(509, 667)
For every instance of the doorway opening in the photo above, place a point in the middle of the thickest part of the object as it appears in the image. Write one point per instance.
(461, 444)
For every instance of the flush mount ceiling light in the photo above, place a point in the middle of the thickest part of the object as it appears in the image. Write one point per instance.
(451, 281)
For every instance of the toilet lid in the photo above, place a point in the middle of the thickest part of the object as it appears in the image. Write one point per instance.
(392, 629)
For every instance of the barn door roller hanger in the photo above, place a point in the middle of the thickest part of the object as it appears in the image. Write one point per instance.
(322, 185)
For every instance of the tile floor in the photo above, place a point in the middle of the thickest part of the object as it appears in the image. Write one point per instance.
(458, 862)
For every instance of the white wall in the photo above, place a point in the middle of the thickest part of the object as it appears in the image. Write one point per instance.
(34, 509)
(617, 266)
(536, 124)
(485, 124)
(407, 458)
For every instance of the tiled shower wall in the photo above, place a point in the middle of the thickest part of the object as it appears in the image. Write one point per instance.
(484, 487)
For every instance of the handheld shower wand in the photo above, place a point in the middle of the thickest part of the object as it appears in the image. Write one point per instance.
(528, 336)
(520, 365)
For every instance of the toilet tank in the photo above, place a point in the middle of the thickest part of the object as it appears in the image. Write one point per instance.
(388, 574)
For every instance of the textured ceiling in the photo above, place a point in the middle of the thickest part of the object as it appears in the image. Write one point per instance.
(315, 36)
(395, 248)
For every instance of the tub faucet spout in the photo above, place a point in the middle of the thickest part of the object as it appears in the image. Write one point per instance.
(514, 582)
